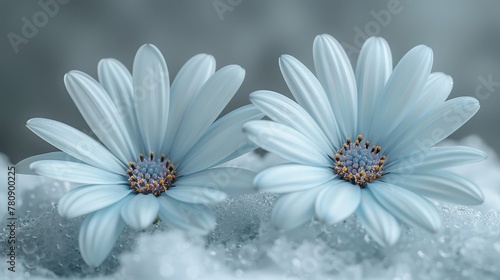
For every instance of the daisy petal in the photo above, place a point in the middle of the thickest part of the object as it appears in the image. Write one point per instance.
(285, 217)
(98, 234)
(284, 111)
(196, 195)
(335, 73)
(213, 97)
(140, 211)
(380, 224)
(290, 177)
(185, 88)
(286, 142)
(75, 172)
(87, 199)
(337, 201)
(406, 205)
(436, 125)
(372, 71)
(117, 81)
(246, 147)
(435, 158)
(222, 138)
(442, 186)
(23, 167)
(436, 91)
(402, 90)
(100, 113)
(309, 93)
(75, 143)
(151, 95)
(195, 218)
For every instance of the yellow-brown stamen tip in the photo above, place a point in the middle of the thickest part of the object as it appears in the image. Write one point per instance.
(162, 157)
(151, 155)
(348, 140)
(360, 137)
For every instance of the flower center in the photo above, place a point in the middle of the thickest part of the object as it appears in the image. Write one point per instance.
(358, 163)
(151, 176)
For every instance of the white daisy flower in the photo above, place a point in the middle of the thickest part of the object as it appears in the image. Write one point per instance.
(363, 142)
(159, 152)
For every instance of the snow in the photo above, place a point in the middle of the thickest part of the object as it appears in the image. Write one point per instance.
(244, 246)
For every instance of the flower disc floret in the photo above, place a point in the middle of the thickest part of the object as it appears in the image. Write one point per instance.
(151, 176)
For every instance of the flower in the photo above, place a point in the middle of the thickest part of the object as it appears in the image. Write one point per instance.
(160, 147)
(363, 142)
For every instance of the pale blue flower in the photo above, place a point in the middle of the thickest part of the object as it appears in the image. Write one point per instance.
(160, 147)
(362, 142)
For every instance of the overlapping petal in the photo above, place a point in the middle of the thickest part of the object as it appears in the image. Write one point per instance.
(377, 221)
(100, 113)
(285, 217)
(151, 95)
(95, 240)
(406, 205)
(335, 74)
(286, 142)
(337, 201)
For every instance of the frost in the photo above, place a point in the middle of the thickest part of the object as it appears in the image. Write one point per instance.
(244, 246)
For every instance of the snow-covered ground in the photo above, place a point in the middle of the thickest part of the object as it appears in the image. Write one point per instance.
(244, 246)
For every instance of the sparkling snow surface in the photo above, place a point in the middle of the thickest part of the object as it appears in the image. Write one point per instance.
(244, 246)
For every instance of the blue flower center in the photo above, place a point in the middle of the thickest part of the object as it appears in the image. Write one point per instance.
(151, 176)
(359, 163)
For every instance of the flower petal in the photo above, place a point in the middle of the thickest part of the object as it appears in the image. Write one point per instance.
(291, 177)
(309, 93)
(213, 97)
(337, 201)
(402, 90)
(87, 199)
(372, 71)
(442, 186)
(140, 211)
(100, 113)
(435, 125)
(151, 95)
(435, 158)
(294, 209)
(335, 74)
(196, 195)
(286, 142)
(185, 88)
(222, 138)
(195, 218)
(117, 81)
(230, 180)
(436, 90)
(98, 234)
(284, 111)
(75, 172)
(380, 224)
(75, 143)
(406, 205)
(23, 167)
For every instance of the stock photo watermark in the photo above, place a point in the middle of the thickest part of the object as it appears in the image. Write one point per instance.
(486, 87)
(381, 19)
(11, 220)
(31, 25)
(223, 6)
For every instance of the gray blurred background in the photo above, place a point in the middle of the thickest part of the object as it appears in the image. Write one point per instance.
(464, 35)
